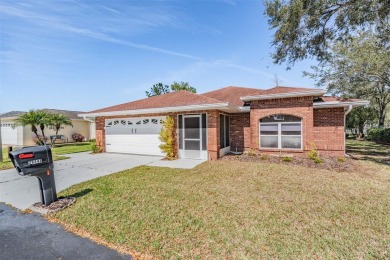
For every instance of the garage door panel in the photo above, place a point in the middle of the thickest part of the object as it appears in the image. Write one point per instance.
(134, 135)
(133, 140)
(9, 134)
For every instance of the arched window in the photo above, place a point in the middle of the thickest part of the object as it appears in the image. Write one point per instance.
(281, 132)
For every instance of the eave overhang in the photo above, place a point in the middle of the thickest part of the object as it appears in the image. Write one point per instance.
(225, 107)
(314, 93)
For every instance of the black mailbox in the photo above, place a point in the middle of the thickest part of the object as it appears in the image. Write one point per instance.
(37, 161)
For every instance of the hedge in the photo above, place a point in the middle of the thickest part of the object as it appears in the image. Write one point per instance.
(379, 134)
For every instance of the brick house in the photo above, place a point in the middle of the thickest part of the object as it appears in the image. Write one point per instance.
(209, 125)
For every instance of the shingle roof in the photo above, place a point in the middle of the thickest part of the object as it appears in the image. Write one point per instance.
(68, 113)
(173, 99)
(11, 114)
(232, 94)
(281, 90)
(334, 99)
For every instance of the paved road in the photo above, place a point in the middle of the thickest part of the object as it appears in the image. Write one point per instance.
(23, 191)
(28, 236)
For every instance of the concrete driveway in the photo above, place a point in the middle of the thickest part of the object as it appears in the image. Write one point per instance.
(23, 191)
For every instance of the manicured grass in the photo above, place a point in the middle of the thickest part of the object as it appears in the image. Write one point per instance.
(238, 210)
(58, 153)
(370, 151)
(72, 148)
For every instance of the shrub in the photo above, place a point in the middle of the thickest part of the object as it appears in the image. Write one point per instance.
(77, 137)
(287, 159)
(341, 160)
(251, 152)
(313, 154)
(264, 157)
(317, 160)
(167, 136)
(379, 134)
(96, 148)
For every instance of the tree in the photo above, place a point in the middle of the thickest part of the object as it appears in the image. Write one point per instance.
(160, 88)
(34, 118)
(306, 28)
(157, 89)
(56, 121)
(175, 86)
(359, 117)
(359, 69)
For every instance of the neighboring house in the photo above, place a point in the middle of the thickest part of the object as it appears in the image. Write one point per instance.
(22, 136)
(277, 120)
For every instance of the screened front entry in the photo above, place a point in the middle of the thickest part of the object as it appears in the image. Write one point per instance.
(281, 132)
(192, 136)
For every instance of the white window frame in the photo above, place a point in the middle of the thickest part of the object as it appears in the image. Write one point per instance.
(280, 135)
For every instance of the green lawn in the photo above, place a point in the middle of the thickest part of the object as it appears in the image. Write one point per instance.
(72, 148)
(238, 210)
(370, 151)
(58, 153)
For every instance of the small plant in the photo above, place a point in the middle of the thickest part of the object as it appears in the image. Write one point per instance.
(287, 159)
(251, 152)
(92, 140)
(341, 160)
(167, 136)
(96, 148)
(313, 154)
(77, 137)
(264, 157)
(317, 160)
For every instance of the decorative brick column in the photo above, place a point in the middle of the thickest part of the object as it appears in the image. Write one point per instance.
(213, 145)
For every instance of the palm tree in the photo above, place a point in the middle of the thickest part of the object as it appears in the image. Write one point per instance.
(34, 118)
(56, 121)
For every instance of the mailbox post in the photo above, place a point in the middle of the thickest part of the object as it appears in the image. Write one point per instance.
(37, 161)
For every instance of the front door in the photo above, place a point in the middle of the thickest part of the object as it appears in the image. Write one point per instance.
(192, 136)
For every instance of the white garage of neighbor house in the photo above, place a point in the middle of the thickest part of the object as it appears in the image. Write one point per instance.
(22, 136)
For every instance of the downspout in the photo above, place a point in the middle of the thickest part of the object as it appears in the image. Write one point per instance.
(345, 129)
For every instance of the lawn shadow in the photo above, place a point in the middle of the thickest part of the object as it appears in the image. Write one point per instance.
(369, 151)
(80, 193)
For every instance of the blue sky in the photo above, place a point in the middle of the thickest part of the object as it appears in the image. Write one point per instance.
(85, 55)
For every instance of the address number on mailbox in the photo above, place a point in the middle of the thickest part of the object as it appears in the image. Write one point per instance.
(33, 162)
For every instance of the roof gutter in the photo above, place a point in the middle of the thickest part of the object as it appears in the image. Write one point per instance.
(341, 104)
(318, 92)
(163, 110)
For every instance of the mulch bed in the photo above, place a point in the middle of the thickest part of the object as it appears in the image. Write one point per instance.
(328, 163)
(56, 206)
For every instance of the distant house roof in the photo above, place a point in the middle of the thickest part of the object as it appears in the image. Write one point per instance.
(68, 113)
(11, 114)
(232, 94)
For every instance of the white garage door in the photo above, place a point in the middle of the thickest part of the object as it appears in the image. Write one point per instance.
(134, 135)
(9, 134)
